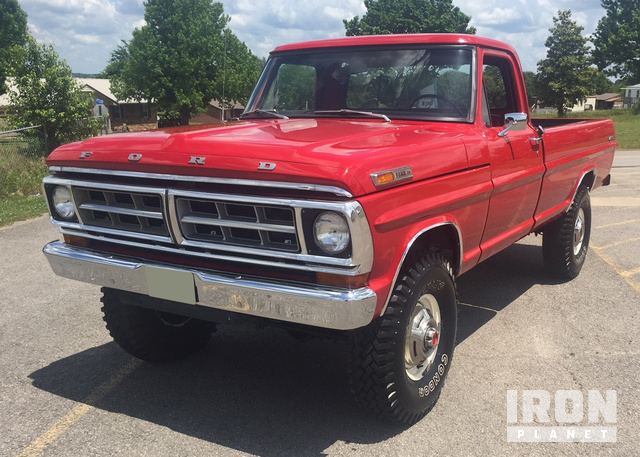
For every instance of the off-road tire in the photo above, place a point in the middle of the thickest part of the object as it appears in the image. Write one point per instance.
(557, 239)
(148, 334)
(378, 376)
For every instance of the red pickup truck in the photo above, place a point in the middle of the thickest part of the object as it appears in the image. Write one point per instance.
(365, 175)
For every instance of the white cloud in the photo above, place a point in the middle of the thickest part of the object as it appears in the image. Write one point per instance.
(525, 23)
(86, 31)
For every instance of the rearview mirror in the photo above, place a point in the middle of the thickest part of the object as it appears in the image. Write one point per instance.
(513, 121)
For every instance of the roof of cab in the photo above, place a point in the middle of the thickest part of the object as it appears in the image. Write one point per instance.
(414, 38)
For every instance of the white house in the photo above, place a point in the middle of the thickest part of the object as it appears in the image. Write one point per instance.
(588, 104)
(631, 95)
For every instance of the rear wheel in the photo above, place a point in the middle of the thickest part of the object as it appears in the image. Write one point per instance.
(399, 362)
(148, 334)
(565, 241)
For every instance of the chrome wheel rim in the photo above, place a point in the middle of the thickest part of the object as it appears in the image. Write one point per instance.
(422, 337)
(578, 232)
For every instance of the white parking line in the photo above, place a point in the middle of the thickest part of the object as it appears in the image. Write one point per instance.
(623, 273)
(617, 243)
(630, 273)
(615, 224)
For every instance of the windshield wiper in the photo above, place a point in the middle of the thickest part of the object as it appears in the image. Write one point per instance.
(352, 111)
(272, 113)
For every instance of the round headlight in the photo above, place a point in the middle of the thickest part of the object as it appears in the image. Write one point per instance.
(331, 232)
(62, 203)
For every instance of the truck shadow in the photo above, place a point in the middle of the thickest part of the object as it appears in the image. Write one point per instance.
(265, 393)
(496, 283)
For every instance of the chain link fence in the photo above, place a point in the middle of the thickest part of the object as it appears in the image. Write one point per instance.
(22, 161)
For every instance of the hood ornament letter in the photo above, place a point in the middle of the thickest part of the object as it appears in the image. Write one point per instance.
(268, 166)
(197, 160)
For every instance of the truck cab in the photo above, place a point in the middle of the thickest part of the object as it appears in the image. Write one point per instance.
(365, 175)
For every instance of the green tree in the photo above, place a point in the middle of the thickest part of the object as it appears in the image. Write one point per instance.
(178, 60)
(13, 33)
(240, 71)
(46, 94)
(599, 82)
(564, 76)
(617, 40)
(409, 16)
(531, 82)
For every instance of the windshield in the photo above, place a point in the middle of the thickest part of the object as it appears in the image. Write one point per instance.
(426, 82)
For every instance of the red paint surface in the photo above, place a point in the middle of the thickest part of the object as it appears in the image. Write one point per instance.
(495, 191)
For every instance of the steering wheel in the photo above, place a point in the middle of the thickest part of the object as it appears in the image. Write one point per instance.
(439, 98)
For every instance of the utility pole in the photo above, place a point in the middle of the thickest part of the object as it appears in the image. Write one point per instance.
(224, 74)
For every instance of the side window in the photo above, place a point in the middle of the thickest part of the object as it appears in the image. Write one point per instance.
(499, 90)
(293, 90)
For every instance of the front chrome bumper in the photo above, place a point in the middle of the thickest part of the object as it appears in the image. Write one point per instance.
(328, 308)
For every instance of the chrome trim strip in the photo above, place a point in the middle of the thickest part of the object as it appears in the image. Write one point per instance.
(120, 210)
(337, 261)
(238, 224)
(300, 229)
(110, 231)
(106, 186)
(207, 179)
(318, 306)
(259, 201)
(575, 192)
(317, 268)
(457, 267)
(73, 200)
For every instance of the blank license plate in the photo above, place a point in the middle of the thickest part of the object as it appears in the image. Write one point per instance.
(171, 284)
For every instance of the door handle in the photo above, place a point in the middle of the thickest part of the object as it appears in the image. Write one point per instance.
(535, 143)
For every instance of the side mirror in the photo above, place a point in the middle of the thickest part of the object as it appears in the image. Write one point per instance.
(513, 121)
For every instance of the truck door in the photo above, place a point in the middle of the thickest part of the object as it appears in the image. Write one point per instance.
(515, 157)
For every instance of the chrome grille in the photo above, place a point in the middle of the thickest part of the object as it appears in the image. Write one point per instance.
(240, 224)
(120, 210)
(258, 230)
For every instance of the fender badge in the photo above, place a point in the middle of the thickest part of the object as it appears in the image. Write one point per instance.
(85, 154)
(135, 157)
(268, 166)
(196, 160)
(382, 178)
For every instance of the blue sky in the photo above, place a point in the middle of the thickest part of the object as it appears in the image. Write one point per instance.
(85, 31)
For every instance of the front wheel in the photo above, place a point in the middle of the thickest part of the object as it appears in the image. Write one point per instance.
(399, 362)
(148, 334)
(565, 241)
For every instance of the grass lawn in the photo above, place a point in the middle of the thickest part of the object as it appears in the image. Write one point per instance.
(627, 124)
(22, 168)
(20, 207)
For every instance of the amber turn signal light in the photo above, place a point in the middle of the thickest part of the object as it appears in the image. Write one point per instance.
(342, 281)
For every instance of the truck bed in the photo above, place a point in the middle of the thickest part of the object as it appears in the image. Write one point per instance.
(573, 149)
(556, 122)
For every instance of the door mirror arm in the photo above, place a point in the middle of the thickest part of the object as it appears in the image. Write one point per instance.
(513, 121)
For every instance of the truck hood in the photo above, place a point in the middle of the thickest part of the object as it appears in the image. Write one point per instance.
(339, 152)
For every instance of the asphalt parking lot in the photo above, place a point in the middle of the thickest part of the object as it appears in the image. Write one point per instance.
(67, 390)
